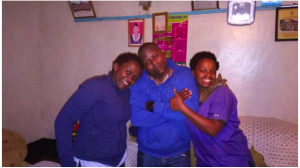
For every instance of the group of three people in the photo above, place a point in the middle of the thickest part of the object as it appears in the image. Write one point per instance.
(170, 104)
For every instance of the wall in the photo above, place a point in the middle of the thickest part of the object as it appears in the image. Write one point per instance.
(21, 96)
(261, 72)
(61, 54)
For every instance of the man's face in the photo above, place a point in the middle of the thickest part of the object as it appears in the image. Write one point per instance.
(155, 62)
(136, 29)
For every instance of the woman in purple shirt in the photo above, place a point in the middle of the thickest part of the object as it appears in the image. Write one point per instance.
(101, 103)
(214, 129)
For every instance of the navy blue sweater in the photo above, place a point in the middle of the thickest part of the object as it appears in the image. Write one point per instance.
(162, 133)
(103, 111)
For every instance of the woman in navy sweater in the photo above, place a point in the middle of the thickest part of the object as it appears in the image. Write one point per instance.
(101, 104)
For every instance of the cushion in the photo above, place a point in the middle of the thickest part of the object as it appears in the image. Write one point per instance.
(14, 149)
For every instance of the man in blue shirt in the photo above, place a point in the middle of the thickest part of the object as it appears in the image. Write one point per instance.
(163, 140)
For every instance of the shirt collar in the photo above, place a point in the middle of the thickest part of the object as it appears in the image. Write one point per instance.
(171, 64)
(169, 74)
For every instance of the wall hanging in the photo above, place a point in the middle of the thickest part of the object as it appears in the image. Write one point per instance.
(203, 5)
(174, 42)
(136, 32)
(241, 12)
(82, 9)
(160, 22)
(286, 24)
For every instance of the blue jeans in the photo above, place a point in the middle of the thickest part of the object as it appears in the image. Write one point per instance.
(182, 160)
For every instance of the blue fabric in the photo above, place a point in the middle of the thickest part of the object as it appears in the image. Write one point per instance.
(182, 160)
(229, 147)
(103, 111)
(162, 133)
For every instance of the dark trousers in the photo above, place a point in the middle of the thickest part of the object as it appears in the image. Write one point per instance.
(182, 160)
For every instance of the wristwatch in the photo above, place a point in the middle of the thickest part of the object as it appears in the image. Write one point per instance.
(150, 106)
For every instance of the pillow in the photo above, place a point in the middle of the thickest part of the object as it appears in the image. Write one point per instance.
(14, 149)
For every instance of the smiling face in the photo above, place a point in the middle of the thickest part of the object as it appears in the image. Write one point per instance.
(205, 72)
(126, 74)
(155, 62)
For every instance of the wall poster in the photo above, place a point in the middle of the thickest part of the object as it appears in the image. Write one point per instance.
(174, 42)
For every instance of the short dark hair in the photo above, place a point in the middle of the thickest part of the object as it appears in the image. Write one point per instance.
(128, 56)
(144, 47)
(200, 55)
(135, 25)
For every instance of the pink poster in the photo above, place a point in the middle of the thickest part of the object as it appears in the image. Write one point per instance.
(174, 43)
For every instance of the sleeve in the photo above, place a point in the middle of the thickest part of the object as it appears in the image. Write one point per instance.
(223, 104)
(140, 116)
(79, 103)
(185, 80)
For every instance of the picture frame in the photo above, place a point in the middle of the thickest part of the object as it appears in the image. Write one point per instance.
(286, 24)
(160, 22)
(82, 9)
(241, 12)
(204, 5)
(136, 32)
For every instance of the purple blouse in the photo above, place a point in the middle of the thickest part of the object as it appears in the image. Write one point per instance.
(229, 147)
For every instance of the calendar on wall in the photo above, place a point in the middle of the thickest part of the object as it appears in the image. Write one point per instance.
(174, 42)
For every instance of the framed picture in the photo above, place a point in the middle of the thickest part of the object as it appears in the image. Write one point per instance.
(286, 24)
(136, 32)
(241, 12)
(82, 9)
(160, 22)
(202, 5)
